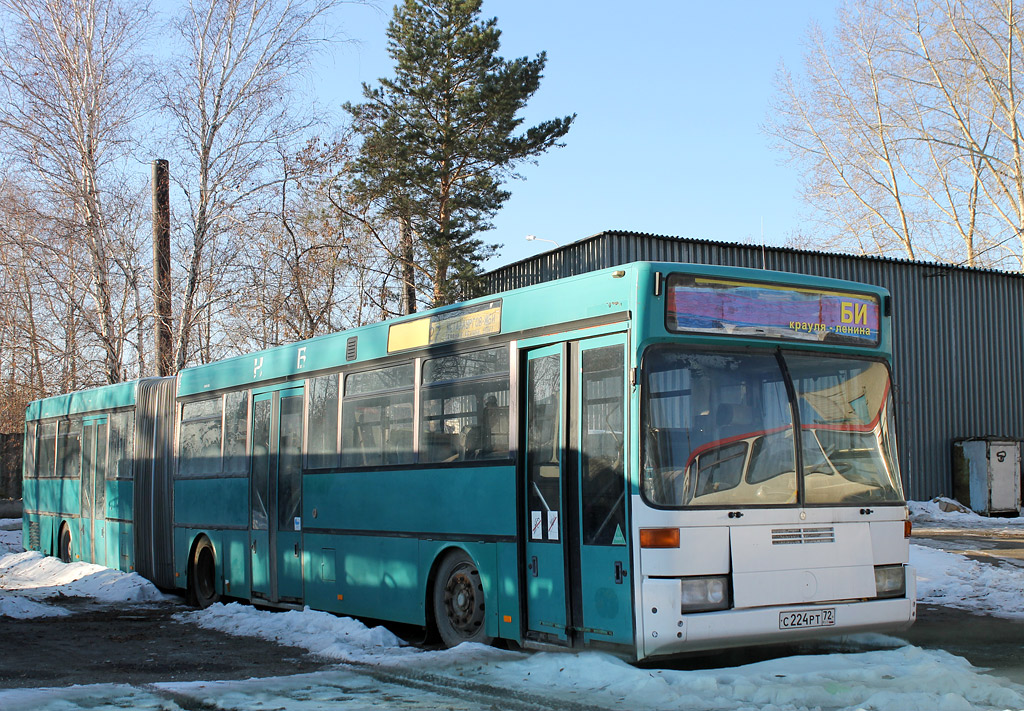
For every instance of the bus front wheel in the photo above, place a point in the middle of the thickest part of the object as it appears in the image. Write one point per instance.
(202, 579)
(459, 601)
(64, 549)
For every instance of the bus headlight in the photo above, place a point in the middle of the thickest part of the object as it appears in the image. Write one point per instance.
(890, 581)
(705, 594)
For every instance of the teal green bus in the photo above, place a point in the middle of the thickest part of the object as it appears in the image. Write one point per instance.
(650, 460)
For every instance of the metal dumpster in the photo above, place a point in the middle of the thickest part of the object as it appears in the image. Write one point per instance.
(987, 475)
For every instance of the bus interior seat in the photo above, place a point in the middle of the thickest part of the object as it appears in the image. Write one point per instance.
(471, 444)
(399, 446)
(439, 446)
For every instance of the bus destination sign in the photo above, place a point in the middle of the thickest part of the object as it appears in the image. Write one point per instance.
(455, 325)
(737, 308)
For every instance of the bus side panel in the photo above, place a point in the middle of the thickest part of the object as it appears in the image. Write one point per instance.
(414, 502)
(231, 556)
(120, 493)
(31, 520)
(220, 509)
(213, 503)
(508, 591)
(119, 499)
(401, 528)
(121, 542)
(366, 576)
(59, 497)
(37, 533)
(29, 497)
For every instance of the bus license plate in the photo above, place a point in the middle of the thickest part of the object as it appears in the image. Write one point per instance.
(825, 617)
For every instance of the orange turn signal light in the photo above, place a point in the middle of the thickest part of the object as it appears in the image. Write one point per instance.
(907, 527)
(659, 537)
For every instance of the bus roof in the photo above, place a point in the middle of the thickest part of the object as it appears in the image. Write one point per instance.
(595, 295)
(105, 397)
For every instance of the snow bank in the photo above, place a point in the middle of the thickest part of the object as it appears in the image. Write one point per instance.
(942, 513)
(321, 633)
(29, 578)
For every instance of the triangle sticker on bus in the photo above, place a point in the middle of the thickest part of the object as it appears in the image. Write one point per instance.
(619, 539)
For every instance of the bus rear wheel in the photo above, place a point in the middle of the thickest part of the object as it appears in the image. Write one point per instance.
(202, 579)
(64, 550)
(459, 601)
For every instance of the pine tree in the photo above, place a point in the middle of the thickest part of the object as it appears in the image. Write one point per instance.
(442, 136)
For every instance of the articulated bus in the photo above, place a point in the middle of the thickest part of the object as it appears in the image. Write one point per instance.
(651, 460)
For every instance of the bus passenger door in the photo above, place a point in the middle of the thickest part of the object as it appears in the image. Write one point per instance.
(288, 544)
(275, 538)
(94, 491)
(603, 607)
(544, 454)
(264, 466)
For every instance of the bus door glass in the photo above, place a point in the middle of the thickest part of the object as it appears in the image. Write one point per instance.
(289, 496)
(545, 443)
(94, 490)
(276, 496)
(599, 418)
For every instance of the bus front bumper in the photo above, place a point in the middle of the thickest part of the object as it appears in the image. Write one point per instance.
(668, 632)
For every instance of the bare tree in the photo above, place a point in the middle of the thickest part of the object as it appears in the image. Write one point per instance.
(231, 97)
(904, 123)
(73, 83)
(306, 269)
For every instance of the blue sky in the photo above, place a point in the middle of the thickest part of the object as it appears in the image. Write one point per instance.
(669, 97)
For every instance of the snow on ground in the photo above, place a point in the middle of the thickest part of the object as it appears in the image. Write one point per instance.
(951, 580)
(898, 678)
(903, 678)
(30, 582)
(941, 514)
(10, 535)
(867, 672)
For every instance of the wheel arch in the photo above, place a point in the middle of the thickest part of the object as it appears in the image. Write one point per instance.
(58, 532)
(201, 539)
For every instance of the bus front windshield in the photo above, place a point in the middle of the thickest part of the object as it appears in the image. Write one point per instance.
(720, 430)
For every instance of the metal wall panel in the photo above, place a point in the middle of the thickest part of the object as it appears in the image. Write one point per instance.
(958, 334)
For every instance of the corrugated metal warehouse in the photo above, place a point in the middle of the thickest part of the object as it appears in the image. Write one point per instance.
(958, 334)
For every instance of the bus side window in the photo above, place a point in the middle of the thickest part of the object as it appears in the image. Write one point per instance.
(322, 423)
(199, 446)
(47, 461)
(236, 426)
(464, 411)
(120, 449)
(377, 417)
(69, 448)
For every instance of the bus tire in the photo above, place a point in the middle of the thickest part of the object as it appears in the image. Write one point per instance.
(65, 549)
(458, 601)
(202, 575)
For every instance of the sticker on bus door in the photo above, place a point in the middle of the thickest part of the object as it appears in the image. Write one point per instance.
(552, 525)
(536, 526)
